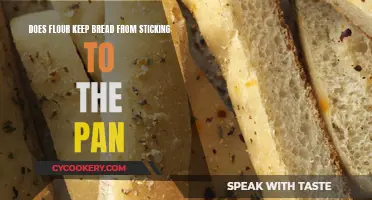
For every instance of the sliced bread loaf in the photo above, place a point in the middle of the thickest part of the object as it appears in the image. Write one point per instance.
(273, 102)
(53, 67)
(217, 127)
(339, 59)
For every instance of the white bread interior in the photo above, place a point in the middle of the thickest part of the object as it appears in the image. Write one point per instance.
(273, 103)
(83, 13)
(219, 135)
(147, 66)
(343, 89)
(221, 139)
(358, 12)
(53, 67)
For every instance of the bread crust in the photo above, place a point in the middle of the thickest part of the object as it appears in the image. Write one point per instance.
(306, 78)
(307, 81)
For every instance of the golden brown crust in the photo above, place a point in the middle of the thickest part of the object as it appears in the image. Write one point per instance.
(45, 194)
(179, 31)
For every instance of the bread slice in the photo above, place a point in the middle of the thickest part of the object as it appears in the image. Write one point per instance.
(155, 104)
(340, 67)
(17, 175)
(53, 67)
(35, 132)
(358, 12)
(273, 102)
(83, 13)
(217, 127)
(223, 150)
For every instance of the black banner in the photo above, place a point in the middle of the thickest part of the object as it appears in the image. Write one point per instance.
(212, 186)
